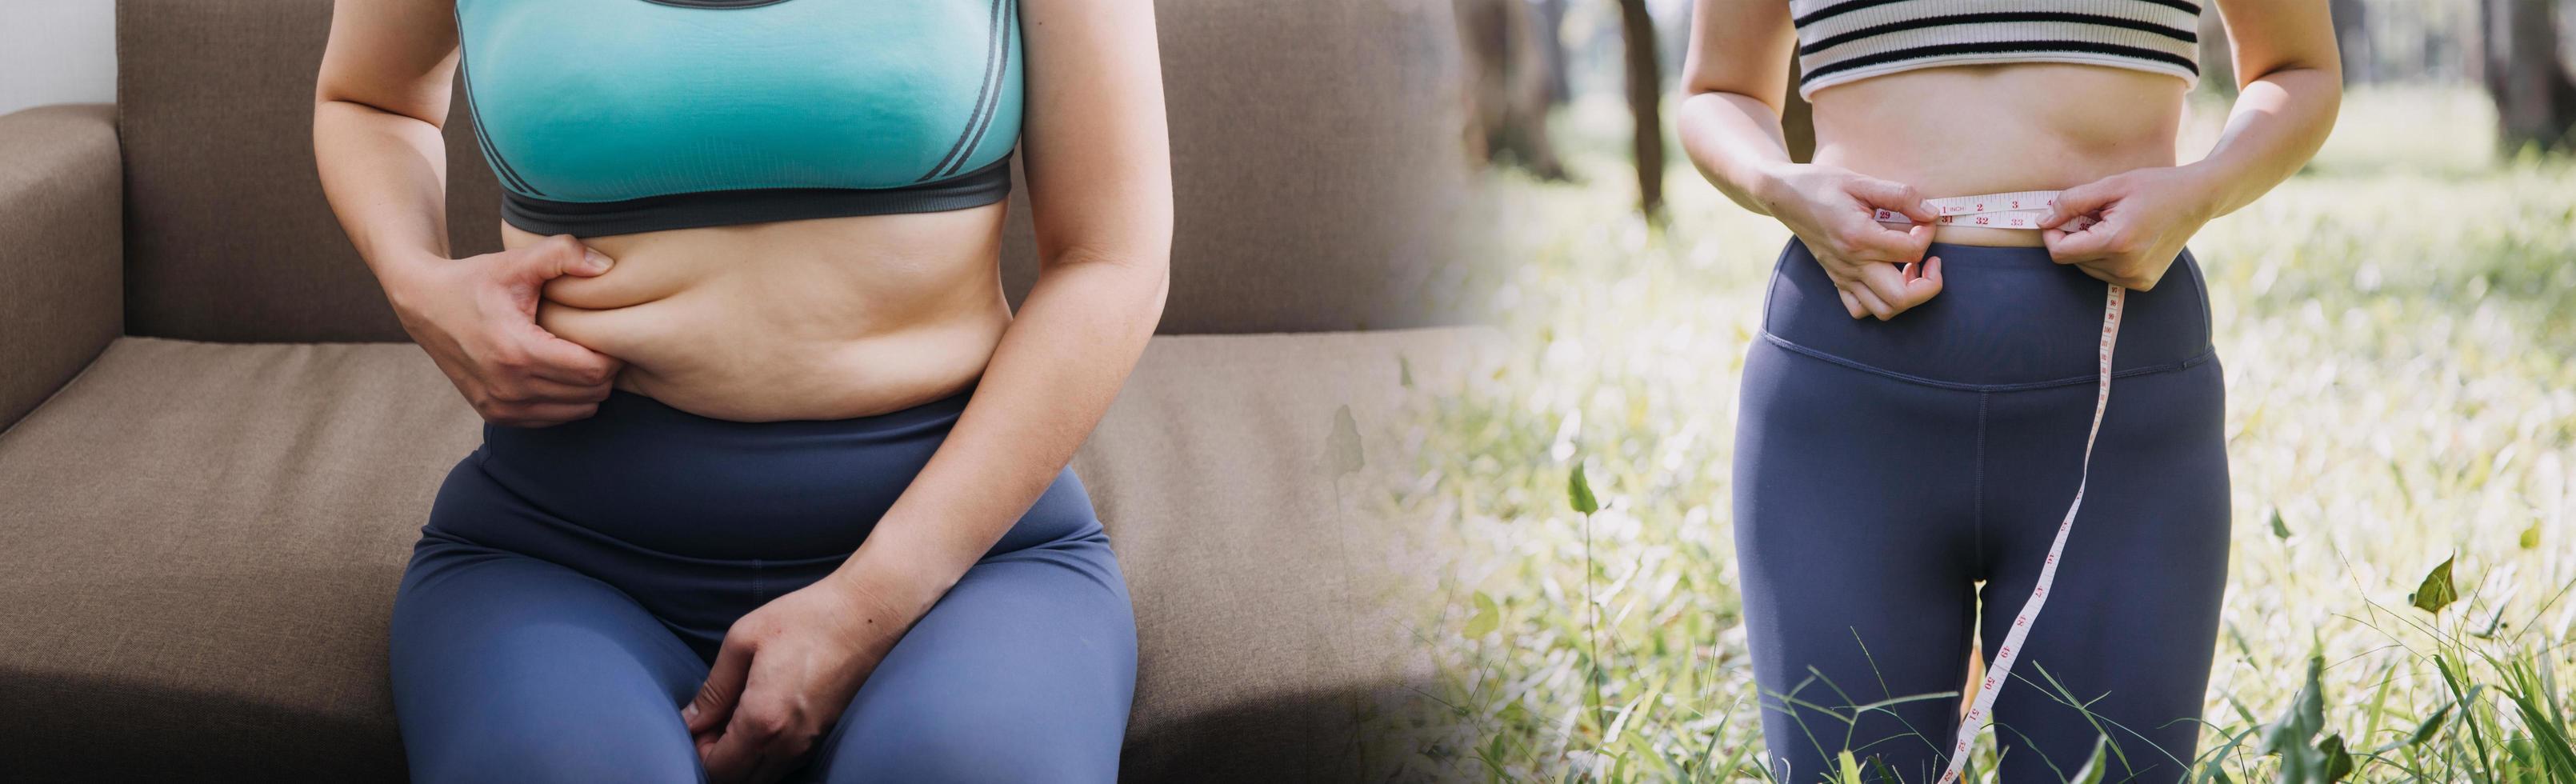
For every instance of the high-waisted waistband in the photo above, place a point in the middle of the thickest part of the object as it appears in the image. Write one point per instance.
(2006, 318)
(660, 478)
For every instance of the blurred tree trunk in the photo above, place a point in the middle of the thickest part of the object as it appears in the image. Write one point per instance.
(1507, 90)
(2534, 97)
(1798, 120)
(1645, 96)
(1551, 45)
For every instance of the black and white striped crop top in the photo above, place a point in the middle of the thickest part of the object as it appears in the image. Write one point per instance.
(1847, 40)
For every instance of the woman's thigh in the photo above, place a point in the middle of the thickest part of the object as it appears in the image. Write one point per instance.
(507, 667)
(2131, 623)
(1024, 671)
(1854, 504)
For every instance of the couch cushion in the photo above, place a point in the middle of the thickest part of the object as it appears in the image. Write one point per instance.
(1314, 144)
(199, 545)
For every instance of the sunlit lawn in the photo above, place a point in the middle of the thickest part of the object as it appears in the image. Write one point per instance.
(2397, 340)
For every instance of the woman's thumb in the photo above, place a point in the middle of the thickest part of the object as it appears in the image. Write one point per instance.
(561, 255)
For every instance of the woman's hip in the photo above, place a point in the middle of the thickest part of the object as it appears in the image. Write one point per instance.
(646, 479)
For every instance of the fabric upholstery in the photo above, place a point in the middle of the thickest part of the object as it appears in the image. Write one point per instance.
(1313, 145)
(60, 268)
(199, 544)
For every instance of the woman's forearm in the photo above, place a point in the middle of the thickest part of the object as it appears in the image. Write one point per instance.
(385, 175)
(1054, 373)
(1734, 139)
(2278, 122)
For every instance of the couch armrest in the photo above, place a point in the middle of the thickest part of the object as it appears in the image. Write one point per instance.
(62, 248)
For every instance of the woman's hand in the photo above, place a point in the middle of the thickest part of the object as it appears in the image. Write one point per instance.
(477, 318)
(2142, 218)
(786, 672)
(1879, 270)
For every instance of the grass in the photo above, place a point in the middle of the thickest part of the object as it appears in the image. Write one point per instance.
(2399, 329)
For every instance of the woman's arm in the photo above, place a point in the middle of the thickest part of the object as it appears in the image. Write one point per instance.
(2291, 76)
(2290, 80)
(1735, 78)
(378, 104)
(1099, 177)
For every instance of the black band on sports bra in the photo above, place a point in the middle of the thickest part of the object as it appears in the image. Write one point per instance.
(982, 186)
(716, 3)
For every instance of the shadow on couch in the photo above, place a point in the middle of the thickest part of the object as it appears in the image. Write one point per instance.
(89, 725)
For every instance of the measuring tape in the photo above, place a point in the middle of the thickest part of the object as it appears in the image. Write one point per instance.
(2016, 210)
(2024, 210)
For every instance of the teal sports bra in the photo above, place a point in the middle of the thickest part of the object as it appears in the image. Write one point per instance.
(621, 116)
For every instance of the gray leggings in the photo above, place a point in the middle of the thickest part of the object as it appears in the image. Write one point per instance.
(1883, 468)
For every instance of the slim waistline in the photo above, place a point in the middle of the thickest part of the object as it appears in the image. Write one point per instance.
(2007, 318)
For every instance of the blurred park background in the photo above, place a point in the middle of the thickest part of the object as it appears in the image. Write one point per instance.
(2400, 359)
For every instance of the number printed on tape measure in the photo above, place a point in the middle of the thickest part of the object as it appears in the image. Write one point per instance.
(2001, 211)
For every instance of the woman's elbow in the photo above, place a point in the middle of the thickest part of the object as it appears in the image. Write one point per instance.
(1142, 275)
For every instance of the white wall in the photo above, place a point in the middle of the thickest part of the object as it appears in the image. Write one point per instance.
(56, 51)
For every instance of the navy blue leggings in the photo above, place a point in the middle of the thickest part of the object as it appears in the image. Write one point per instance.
(1882, 469)
(574, 582)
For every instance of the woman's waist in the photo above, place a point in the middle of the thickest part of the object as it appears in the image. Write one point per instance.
(813, 320)
(877, 267)
(1966, 130)
(753, 368)
(654, 476)
(2004, 121)
(2006, 318)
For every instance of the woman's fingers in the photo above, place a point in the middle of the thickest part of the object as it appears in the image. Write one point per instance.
(560, 255)
(555, 358)
(723, 688)
(2086, 244)
(761, 743)
(1850, 303)
(1869, 240)
(728, 757)
(1894, 197)
(1869, 301)
(2083, 199)
(1890, 284)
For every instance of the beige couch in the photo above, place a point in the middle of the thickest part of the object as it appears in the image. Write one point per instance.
(218, 450)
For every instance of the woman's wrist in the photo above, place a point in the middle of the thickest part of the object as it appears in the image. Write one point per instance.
(2207, 184)
(896, 589)
(1768, 183)
(403, 275)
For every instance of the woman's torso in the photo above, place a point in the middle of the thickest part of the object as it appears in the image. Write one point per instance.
(1972, 129)
(799, 196)
(812, 319)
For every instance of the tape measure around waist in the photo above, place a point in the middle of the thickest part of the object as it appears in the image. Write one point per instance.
(2024, 210)
(2015, 210)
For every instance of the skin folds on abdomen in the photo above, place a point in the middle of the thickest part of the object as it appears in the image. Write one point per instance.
(816, 319)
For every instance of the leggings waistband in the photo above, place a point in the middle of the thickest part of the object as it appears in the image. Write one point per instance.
(2007, 318)
(659, 478)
